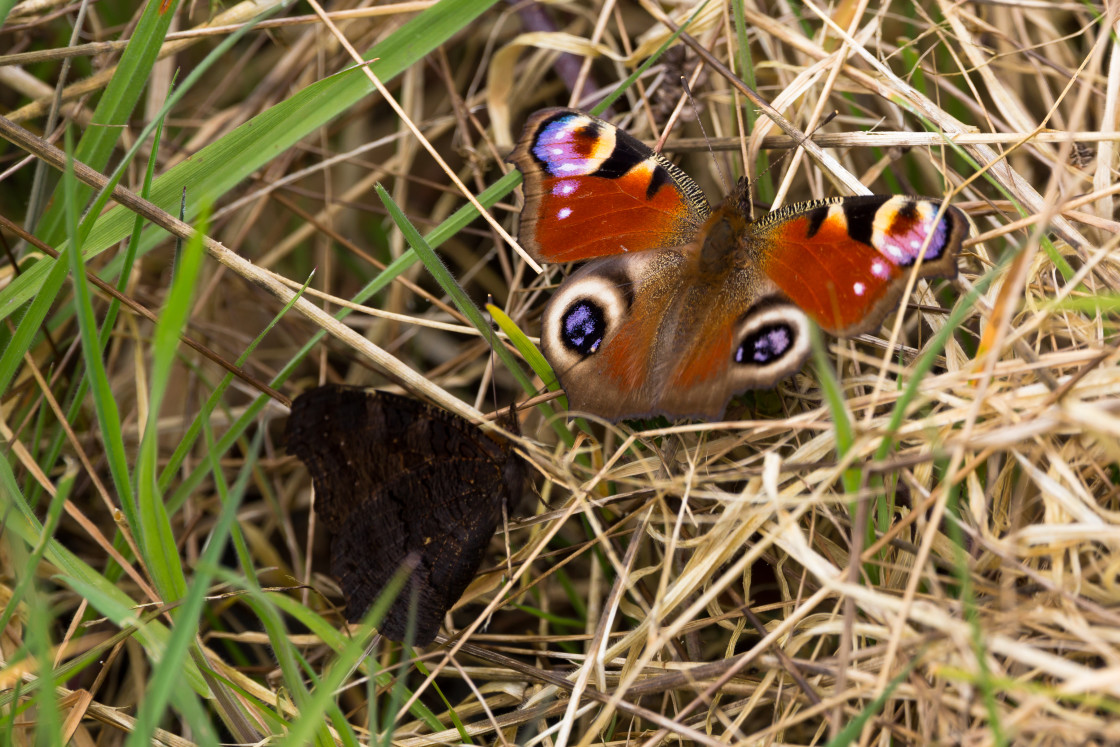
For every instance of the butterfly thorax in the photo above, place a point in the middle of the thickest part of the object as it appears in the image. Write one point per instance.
(719, 240)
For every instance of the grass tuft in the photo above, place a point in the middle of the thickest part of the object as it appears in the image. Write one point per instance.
(911, 542)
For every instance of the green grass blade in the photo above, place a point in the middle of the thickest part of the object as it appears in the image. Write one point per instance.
(446, 281)
(541, 368)
(78, 394)
(165, 678)
(962, 567)
(933, 349)
(851, 731)
(524, 346)
(32, 323)
(103, 595)
(647, 63)
(218, 167)
(157, 540)
(186, 443)
(108, 416)
(762, 179)
(48, 727)
(26, 286)
(54, 514)
(467, 307)
(114, 107)
(324, 693)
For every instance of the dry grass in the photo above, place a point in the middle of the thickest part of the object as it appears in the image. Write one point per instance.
(931, 559)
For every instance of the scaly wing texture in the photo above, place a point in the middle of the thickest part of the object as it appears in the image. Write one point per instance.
(845, 261)
(593, 190)
(398, 482)
(642, 334)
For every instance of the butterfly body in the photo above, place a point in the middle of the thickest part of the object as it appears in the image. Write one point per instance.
(401, 483)
(681, 306)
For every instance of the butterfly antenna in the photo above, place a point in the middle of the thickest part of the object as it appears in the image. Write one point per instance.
(804, 139)
(800, 143)
(700, 121)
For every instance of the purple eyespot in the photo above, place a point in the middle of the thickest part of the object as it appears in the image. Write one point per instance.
(765, 345)
(582, 327)
(904, 247)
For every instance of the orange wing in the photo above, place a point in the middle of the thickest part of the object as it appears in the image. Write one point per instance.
(845, 261)
(592, 190)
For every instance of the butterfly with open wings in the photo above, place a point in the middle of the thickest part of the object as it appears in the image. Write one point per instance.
(681, 306)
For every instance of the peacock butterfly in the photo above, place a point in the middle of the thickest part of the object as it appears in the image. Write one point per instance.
(683, 306)
(400, 482)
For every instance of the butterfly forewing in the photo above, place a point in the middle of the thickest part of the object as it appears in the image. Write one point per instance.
(845, 261)
(592, 190)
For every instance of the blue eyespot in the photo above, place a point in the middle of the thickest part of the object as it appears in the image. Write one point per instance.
(583, 326)
(765, 345)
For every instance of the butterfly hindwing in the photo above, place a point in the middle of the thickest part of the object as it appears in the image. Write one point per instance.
(593, 190)
(663, 332)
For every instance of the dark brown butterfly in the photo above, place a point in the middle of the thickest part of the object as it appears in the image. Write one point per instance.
(398, 481)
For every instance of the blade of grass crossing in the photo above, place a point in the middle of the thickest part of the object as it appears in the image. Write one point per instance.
(325, 692)
(961, 566)
(186, 443)
(31, 324)
(165, 683)
(622, 87)
(763, 181)
(465, 305)
(54, 513)
(108, 416)
(157, 540)
(78, 394)
(447, 281)
(852, 478)
(851, 731)
(104, 596)
(933, 349)
(334, 638)
(524, 346)
(40, 623)
(287, 657)
(114, 107)
(456, 222)
(116, 104)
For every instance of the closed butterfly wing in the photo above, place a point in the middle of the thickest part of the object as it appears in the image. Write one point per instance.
(398, 482)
